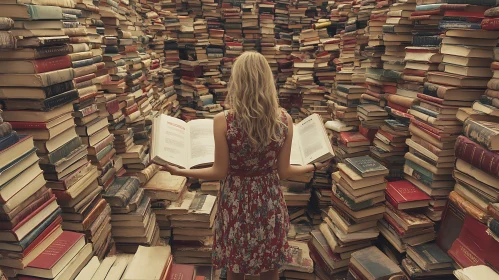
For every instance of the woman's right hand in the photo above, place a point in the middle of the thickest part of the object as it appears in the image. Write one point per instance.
(321, 165)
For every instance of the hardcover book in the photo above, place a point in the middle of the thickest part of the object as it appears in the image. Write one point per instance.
(366, 166)
(404, 195)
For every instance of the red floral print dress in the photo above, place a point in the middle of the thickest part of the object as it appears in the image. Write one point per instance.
(252, 219)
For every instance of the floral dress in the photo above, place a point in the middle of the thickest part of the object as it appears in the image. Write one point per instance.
(252, 219)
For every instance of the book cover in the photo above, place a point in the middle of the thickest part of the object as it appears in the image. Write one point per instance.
(403, 191)
(56, 250)
(366, 166)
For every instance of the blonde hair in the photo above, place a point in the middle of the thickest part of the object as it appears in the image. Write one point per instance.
(252, 97)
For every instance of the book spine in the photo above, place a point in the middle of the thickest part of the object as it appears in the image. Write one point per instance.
(64, 151)
(6, 23)
(51, 64)
(468, 207)
(27, 211)
(52, 221)
(490, 24)
(84, 78)
(446, 25)
(418, 168)
(59, 100)
(102, 144)
(7, 40)
(106, 158)
(430, 98)
(318, 260)
(44, 12)
(493, 212)
(423, 126)
(5, 129)
(113, 106)
(420, 176)
(85, 70)
(103, 152)
(87, 111)
(51, 51)
(478, 133)
(126, 192)
(82, 63)
(94, 213)
(84, 84)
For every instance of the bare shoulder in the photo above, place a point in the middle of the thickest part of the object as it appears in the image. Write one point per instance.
(219, 121)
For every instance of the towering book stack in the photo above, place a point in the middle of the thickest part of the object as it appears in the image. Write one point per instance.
(28, 209)
(267, 29)
(358, 193)
(133, 223)
(427, 261)
(192, 218)
(251, 26)
(371, 263)
(404, 222)
(163, 189)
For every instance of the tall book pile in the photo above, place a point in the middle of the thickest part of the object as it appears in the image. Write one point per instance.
(358, 193)
(132, 220)
(29, 213)
(475, 190)
(191, 218)
(163, 189)
(297, 196)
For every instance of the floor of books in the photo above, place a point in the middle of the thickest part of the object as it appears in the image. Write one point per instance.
(406, 91)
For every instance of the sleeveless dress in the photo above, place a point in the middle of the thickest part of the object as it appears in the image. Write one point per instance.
(252, 219)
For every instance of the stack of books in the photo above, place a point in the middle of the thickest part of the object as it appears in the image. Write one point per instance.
(64, 258)
(404, 222)
(163, 189)
(327, 264)
(133, 223)
(351, 144)
(267, 29)
(371, 263)
(358, 193)
(30, 217)
(297, 196)
(192, 217)
(427, 261)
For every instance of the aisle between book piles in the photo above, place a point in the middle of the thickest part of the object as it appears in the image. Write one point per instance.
(405, 89)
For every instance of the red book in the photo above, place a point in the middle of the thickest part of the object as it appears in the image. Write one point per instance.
(490, 24)
(397, 107)
(477, 155)
(404, 195)
(57, 255)
(353, 139)
(181, 271)
(470, 247)
(51, 64)
(491, 253)
(369, 133)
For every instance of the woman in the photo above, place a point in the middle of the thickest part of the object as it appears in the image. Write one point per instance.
(251, 140)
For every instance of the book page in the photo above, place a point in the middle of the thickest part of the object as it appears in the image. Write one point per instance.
(310, 132)
(170, 140)
(202, 142)
(295, 157)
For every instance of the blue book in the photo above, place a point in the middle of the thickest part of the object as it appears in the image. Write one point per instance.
(428, 7)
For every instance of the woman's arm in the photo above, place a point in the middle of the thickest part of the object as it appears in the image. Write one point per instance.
(221, 165)
(284, 168)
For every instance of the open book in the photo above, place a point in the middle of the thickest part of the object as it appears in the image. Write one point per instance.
(182, 144)
(192, 144)
(310, 142)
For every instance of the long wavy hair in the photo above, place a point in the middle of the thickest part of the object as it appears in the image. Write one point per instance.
(252, 97)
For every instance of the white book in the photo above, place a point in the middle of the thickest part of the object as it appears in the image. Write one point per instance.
(119, 267)
(155, 259)
(310, 142)
(182, 144)
(89, 270)
(104, 268)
